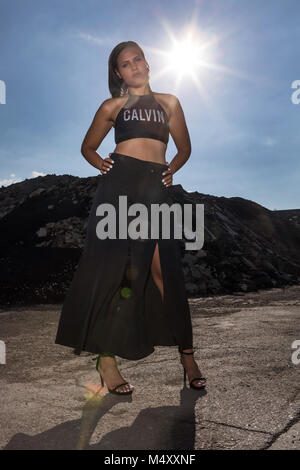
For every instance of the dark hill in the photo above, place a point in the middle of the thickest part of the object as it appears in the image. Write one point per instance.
(43, 222)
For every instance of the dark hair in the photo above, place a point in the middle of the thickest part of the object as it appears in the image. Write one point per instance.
(116, 85)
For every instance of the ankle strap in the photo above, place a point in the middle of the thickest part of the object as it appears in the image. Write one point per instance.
(183, 352)
(102, 355)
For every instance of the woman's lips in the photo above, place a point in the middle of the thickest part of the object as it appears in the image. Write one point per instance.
(137, 74)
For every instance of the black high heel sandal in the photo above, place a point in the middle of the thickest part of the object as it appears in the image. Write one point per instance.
(114, 390)
(193, 380)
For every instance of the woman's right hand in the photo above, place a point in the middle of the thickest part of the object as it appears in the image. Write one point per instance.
(106, 165)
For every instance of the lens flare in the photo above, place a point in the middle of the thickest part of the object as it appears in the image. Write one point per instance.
(126, 292)
(94, 392)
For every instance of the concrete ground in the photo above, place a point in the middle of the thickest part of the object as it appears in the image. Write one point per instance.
(52, 399)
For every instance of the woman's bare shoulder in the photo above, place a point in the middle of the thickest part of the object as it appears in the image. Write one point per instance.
(168, 101)
(111, 105)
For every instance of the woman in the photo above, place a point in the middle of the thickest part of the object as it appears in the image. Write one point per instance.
(128, 294)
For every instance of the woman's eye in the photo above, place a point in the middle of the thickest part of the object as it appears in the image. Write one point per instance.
(139, 58)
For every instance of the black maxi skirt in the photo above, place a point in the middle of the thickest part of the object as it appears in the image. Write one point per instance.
(113, 304)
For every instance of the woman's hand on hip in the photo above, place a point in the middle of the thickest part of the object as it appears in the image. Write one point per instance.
(168, 177)
(106, 165)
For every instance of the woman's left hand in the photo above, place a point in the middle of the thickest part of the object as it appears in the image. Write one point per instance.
(168, 177)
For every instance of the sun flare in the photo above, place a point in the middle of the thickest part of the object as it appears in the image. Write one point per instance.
(194, 57)
(186, 57)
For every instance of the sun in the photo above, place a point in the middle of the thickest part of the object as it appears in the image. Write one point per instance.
(185, 58)
(196, 54)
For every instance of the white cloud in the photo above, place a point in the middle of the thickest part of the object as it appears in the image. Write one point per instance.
(37, 173)
(90, 37)
(10, 180)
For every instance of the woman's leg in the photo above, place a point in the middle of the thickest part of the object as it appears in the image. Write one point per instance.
(189, 362)
(156, 271)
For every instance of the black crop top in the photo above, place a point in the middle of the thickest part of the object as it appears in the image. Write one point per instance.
(144, 117)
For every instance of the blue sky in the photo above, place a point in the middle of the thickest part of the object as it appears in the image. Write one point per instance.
(243, 125)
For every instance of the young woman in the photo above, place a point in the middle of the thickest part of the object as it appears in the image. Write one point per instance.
(128, 294)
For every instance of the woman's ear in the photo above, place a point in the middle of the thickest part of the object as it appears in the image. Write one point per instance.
(117, 73)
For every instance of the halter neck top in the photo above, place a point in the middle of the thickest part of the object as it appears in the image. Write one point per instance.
(142, 116)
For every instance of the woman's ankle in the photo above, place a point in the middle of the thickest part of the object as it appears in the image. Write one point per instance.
(106, 361)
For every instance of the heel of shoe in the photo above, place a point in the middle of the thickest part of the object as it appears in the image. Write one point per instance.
(184, 373)
(97, 363)
(102, 381)
(195, 378)
(184, 376)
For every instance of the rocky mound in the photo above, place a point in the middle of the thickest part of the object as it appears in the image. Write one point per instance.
(43, 223)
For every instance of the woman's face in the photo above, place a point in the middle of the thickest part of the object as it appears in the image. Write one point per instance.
(132, 67)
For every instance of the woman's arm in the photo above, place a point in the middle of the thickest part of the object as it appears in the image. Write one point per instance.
(180, 135)
(99, 128)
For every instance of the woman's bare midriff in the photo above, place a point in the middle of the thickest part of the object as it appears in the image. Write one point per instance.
(150, 150)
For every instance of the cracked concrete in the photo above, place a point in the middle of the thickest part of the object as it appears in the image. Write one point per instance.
(288, 437)
(52, 399)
